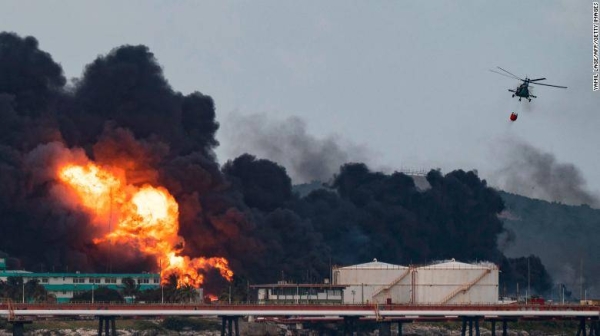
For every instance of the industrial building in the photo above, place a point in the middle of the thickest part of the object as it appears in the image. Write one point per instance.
(448, 282)
(65, 285)
(289, 293)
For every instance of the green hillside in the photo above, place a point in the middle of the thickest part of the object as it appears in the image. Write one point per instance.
(563, 236)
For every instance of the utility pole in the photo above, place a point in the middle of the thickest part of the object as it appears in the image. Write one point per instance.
(23, 290)
(528, 280)
(93, 285)
(109, 266)
(330, 272)
(162, 290)
(580, 278)
(247, 291)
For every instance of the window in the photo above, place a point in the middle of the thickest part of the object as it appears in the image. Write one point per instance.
(110, 280)
(156, 280)
(78, 280)
(95, 280)
(141, 281)
(44, 280)
(334, 292)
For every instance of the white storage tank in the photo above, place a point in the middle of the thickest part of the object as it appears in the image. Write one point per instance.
(454, 282)
(374, 282)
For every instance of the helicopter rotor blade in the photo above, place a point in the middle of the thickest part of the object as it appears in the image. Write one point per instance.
(508, 72)
(538, 79)
(502, 74)
(556, 86)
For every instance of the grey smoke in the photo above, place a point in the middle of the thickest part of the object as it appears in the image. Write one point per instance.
(530, 172)
(287, 142)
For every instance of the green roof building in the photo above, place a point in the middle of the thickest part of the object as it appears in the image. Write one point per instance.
(65, 285)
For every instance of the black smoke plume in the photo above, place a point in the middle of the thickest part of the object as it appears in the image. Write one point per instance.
(123, 112)
(533, 173)
(307, 158)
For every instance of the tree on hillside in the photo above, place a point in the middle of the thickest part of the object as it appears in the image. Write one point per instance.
(14, 289)
(129, 287)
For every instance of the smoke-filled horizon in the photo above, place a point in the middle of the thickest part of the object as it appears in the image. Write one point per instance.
(287, 142)
(123, 114)
(531, 172)
(524, 169)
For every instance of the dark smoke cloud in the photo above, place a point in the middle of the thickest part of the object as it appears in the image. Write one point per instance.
(121, 112)
(366, 215)
(306, 157)
(265, 185)
(533, 173)
(124, 112)
(28, 74)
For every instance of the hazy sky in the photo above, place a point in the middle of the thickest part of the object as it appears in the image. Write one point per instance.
(407, 80)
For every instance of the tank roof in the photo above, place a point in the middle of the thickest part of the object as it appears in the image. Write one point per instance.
(374, 265)
(453, 264)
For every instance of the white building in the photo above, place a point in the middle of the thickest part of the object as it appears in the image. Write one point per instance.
(289, 293)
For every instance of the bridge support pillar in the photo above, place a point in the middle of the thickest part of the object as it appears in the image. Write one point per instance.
(385, 329)
(229, 325)
(493, 328)
(18, 328)
(469, 320)
(349, 325)
(582, 331)
(399, 328)
(504, 328)
(470, 327)
(594, 328)
(107, 325)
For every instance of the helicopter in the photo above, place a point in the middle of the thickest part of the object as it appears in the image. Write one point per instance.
(523, 90)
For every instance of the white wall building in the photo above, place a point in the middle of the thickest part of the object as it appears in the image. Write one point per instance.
(289, 293)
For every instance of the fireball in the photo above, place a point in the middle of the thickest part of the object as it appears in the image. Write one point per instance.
(145, 218)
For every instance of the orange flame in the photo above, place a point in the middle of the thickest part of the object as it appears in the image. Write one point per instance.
(147, 218)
